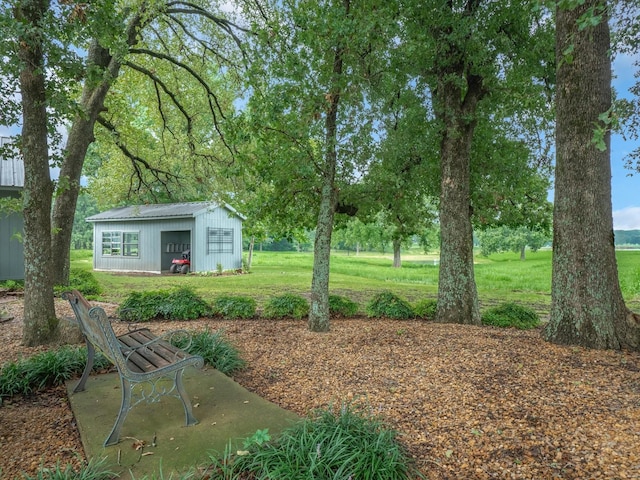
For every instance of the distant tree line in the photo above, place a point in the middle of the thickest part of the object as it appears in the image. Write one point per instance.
(627, 237)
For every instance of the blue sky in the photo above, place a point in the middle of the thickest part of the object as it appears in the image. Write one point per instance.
(625, 189)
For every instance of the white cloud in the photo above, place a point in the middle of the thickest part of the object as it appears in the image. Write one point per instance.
(627, 219)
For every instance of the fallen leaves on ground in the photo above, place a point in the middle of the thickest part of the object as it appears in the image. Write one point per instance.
(467, 402)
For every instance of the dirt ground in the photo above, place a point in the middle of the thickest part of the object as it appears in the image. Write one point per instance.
(467, 402)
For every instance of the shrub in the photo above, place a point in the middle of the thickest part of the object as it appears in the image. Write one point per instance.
(329, 445)
(82, 280)
(178, 304)
(13, 285)
(286, 305)
(511, 315)
(426, 308)
(342, 306)
(93, 470)
(45, 369)
(214, 348)
(388, 304)
(234, 307)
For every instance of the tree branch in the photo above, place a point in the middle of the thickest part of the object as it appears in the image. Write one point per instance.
(159, 83)
(203, 83)
(163, 177)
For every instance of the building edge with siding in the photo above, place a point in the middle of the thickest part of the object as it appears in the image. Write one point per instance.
(11, 222)
(146, 238)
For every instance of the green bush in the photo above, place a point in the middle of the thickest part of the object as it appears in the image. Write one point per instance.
(234, 307)
(177, 304)
(286, 305)
(214, 348)
(426, 308)
(82, 280)
(13, 285)
(388, 304)
(511, 315)
(329, 445)
(93, 470)
(342, 306)
(45, 369)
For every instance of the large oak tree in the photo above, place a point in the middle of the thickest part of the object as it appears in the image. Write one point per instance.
(473, 56)
(587, 307)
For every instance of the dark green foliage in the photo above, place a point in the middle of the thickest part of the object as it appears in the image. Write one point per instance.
(286, 305)
(45, 369)
(178, 304)
(234, 307)
(12, 285)
(213, 347)
(93, 470)
(82, 280)
(342, 306)
(426, 308)
(330, 445)
(388, 304)
(511, 315)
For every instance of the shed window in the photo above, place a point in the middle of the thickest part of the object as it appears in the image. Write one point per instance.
(219, 240)
(120, 244)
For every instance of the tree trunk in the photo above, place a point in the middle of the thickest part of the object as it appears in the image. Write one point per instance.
(457, 294)
(397, 262)
(250, 254)
(523, 249)
(319, 311)
(587, 307)
(80, 137)
(40, 323)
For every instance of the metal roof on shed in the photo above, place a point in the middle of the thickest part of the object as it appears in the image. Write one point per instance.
(11, 167)
(157, 211)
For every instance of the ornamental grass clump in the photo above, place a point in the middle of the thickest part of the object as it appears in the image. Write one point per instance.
(426, 308)
(389, 305)
(45, 369)
(511, 315)
(348, 443)
(92, 470)
(177, 304)
(213, 347)
(340, 306)
(286, 305)
(232, 307)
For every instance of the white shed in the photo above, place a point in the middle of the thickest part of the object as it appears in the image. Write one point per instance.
(146, 238)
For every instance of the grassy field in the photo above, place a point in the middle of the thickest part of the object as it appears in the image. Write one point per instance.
(500, 277)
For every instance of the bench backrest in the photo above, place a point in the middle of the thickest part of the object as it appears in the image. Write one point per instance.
(96, 327)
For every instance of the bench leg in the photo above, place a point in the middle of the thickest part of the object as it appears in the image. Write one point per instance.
(186, 403)
(125, 406)
(91, 352)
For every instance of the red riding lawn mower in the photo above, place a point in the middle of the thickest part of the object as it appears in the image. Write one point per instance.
(181, 265)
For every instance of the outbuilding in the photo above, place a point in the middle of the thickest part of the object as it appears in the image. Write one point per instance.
(11, 221)
(146, 238)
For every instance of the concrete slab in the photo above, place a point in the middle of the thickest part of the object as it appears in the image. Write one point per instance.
(226, 412)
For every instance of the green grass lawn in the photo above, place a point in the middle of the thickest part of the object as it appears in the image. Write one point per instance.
(499, 278)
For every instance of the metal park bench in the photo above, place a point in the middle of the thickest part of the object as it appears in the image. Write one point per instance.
(140, 357)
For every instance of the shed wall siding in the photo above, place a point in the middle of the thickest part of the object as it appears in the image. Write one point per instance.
(11, 249)
(162, 240)
(151, 248)
(218, 218)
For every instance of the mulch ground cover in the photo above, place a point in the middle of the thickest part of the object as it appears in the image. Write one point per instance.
(467, 402)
